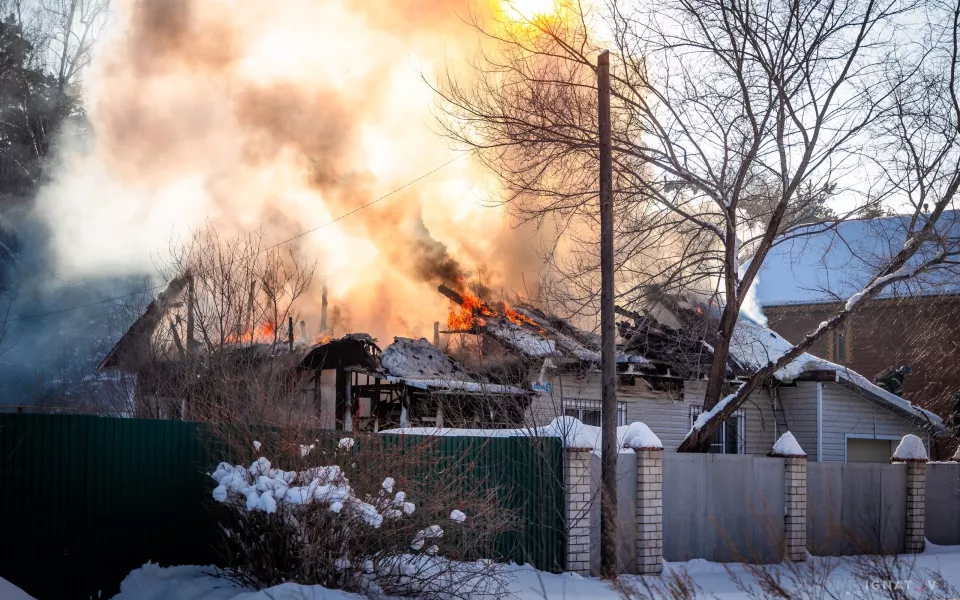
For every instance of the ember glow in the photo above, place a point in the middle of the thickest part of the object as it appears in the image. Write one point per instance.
(287, 116)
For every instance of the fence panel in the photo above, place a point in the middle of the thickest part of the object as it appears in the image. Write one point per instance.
(856, 508)
(85, 499)
(943, 496)
(722, 507)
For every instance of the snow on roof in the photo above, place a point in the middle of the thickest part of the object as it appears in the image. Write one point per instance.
(787, 445)
(523, 340)
(910, 448)
(570, 430)
(419, 359)
(552, 336)
(755, 345)
(832, 265)
(420, 364)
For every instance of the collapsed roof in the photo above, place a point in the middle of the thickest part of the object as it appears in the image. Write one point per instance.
(532, 333)
(680, 334)
(134, 346)
(418, 363)
(414, 362)
(357, 350)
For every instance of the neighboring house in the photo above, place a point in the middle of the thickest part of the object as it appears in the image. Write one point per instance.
(664, 355)
(806, 280)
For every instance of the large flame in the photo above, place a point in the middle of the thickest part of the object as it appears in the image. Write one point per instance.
(472, 313)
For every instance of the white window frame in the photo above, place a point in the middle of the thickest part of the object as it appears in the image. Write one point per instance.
(741, 417)
(582, 405)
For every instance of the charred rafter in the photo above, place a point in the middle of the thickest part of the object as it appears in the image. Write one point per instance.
(451, 294)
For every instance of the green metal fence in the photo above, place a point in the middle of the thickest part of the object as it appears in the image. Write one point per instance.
(85, 499)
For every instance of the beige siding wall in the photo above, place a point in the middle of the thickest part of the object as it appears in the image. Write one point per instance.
(844, 412)
(667, 414)
(800, 414)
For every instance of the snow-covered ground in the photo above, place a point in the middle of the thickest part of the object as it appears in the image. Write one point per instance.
(152, 582)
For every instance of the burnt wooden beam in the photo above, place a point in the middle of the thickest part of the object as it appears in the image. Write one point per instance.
(628, 313)
(176, 339)
(449, 293)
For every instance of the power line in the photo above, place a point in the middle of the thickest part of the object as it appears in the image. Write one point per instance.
(267, 249)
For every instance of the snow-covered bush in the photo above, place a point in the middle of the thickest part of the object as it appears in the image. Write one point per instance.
(349, 523)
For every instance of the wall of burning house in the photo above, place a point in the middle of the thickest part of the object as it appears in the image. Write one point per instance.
(668, 412)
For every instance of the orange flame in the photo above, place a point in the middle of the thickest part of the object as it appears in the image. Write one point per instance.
(470, 315)
(518, 318)
(263, 333)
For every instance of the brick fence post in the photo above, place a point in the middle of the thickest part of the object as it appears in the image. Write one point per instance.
(916, 506)
(795, 521)
(912, 451)
(578, 494)
(649, 510)
(795, 496)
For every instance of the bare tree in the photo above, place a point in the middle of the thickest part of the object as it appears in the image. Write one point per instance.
(72, 27)
(214, 345)
(734, 124)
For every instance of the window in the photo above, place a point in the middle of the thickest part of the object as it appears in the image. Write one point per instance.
(588, 411)
(839, 348)
(728, 438)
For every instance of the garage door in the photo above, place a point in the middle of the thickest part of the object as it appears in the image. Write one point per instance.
(871, 451)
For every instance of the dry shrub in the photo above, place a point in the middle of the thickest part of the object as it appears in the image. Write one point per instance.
(675, 584)
(363, 516)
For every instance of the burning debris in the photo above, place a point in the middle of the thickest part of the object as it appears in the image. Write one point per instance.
(469, 312)
(676, 333)
(409, 382)
(527, 330)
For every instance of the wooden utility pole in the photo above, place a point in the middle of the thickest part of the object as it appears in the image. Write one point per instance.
(608, 334)
(323, 308)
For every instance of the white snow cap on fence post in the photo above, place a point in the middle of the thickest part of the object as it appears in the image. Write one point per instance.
(639, 436)
(788, 446)
(910, 449)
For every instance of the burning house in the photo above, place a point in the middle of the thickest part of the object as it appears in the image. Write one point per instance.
(345, 383)
(409, 383)
(663, 358)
